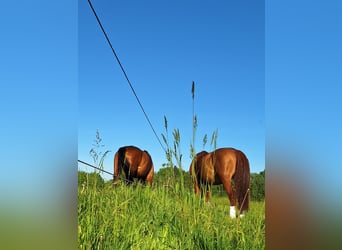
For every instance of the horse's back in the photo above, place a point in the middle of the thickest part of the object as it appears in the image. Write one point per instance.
(130, 149)
(226, 151)
(228, 154)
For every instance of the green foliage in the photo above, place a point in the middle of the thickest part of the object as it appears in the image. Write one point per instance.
(257, 186)
(90, 179)
(171, 177)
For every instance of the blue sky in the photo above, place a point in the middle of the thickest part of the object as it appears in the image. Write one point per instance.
(164, 46)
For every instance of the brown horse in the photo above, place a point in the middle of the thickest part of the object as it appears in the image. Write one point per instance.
(135, 164)
(223, 166)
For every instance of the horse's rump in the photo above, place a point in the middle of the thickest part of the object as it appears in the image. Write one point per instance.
(135, 163)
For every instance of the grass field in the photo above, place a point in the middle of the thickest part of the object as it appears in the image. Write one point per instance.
(163, 218)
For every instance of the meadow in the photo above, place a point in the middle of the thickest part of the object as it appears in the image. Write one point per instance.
(160, 217)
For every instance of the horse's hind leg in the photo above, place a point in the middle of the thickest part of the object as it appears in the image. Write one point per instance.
(149, 177)
(231, 195)
(208, 194)
(196, 188)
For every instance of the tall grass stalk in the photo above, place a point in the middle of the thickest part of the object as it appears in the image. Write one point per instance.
(194, 128)
(97, 155)
(174, 153)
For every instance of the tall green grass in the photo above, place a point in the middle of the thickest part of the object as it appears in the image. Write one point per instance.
(163, 218)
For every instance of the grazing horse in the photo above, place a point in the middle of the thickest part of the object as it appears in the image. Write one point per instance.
(135, 164)
(223, 166)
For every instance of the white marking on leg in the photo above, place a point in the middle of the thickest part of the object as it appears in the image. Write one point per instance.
(232, 212)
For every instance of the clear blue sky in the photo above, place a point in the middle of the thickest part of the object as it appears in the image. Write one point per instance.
(164, 46)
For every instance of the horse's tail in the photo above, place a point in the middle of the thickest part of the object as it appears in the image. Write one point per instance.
(242, 180)
(118, 162)
(150, 173)
(149, 156)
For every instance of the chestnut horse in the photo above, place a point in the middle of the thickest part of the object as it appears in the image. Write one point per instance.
(223, 166)
(135, 164)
